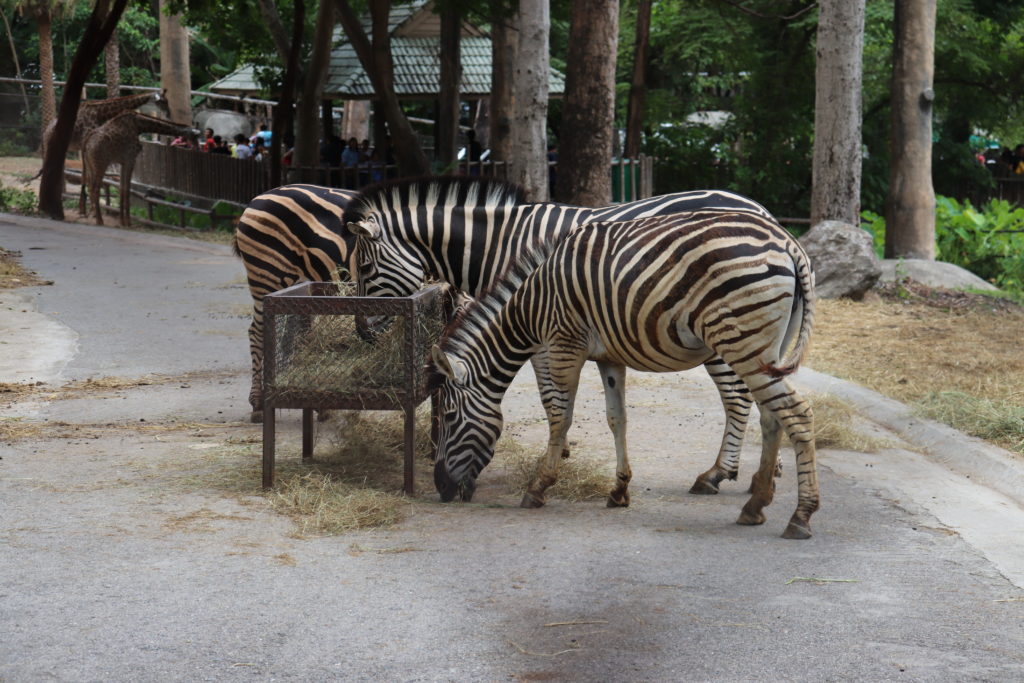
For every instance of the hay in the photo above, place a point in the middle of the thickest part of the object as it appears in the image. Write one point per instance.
(321, 506)
(329, 353)
(833, 427)
(579, 478)
(995, 421)
(13, 429)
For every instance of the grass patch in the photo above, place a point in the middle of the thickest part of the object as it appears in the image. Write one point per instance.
(994, 421)
(321, 506)
(13, 274)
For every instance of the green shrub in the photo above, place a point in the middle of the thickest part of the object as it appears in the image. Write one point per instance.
(14, 200)
(988, 242)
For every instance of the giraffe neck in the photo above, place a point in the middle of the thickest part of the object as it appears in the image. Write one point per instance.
(151, 124)
(102, 110)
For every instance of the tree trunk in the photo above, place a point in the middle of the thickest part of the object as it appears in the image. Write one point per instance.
(356, 122)
(910, 204)
(638, 87)
(836, 168)
(284, 111)
(112, 64)
(530, 93)
(503, 58)
(376, 60)
(48, 99)
(175, 71)
(101, 24)
(451, 76)
(307, 149)
(588, 113)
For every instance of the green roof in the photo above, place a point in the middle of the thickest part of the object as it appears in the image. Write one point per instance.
(415, 48)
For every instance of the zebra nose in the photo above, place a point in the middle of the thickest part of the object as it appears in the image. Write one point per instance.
(444, 484)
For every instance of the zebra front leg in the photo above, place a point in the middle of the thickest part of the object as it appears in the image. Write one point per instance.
(762, 486)
(736, 401)
(564, 384)
(613, 377)
(541, 370)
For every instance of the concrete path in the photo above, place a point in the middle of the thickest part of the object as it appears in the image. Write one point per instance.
(121, 557)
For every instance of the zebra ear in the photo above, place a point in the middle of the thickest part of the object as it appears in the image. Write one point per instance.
(456, 371)
(366, 228)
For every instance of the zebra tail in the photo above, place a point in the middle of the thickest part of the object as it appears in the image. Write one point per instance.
(805, 300)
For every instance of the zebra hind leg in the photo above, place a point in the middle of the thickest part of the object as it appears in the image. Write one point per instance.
(736, 401)
(762, 486)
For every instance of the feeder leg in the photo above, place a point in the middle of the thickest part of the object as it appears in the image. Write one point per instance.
(307, 433)
(410, 441)
(268, 446)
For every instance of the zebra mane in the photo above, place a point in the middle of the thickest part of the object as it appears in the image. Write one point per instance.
(433, 190)
(481, 311)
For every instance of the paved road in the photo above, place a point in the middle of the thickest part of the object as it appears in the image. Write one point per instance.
(122, 559)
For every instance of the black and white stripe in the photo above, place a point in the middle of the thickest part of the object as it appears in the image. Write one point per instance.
(468, 231)
(658, 294)
(287, 235)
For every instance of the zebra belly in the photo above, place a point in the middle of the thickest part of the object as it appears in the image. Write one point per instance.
(648, 357)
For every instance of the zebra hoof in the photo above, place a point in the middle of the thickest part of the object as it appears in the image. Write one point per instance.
(704, 487)
(531, 501)
(750, 516)
(256, 416)
(620, 502)
(797, 529)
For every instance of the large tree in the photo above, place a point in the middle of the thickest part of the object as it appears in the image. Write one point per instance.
(836, 167)
(910, 204)
(638, 84)
(530, 92)
(588, 114)
(451, 76)
(307, 152)
(503, 58)
(376, 59)
(175, 72)
(101, 24)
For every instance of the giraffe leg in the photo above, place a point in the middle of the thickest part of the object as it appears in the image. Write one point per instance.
(736, 401)
(127, 168)
(613, 377)
(564, 371)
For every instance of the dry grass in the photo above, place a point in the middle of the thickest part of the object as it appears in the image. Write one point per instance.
(13, 274)
(834, 427)
(321, 506)
(579, 477)
(991, 420)
(913, 342)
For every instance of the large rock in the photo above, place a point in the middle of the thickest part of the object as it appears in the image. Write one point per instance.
(933, 274)
(843, 258)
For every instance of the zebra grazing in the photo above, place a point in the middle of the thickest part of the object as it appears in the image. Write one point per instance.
(287, 235)
(657, 294)
(468, 231)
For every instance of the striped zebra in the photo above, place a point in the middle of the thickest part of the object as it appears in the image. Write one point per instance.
(657, 294)
(287, 235)
(468, 231)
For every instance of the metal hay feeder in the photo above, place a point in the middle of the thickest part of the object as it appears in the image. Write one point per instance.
(318, 356)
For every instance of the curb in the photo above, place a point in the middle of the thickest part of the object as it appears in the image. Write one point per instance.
(965, 455)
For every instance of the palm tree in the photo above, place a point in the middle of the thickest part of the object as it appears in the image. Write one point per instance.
(44, 12)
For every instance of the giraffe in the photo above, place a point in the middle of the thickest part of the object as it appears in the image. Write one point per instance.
(117, 142)
(94, 113)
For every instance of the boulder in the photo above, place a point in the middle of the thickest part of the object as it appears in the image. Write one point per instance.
(843, 258)
(934, 274)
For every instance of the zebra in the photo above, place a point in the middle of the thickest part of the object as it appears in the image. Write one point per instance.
(468, 231)
(287, 235)
(656, 294)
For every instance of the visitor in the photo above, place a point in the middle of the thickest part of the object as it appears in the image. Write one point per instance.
(220, 146)
(242, 149)
(350, 157)
(208, 142)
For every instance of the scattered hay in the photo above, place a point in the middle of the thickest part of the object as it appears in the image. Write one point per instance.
(13, 274)
(321, 506)
(995, 421)
(14, 429)
(579, 477)
(833, 427)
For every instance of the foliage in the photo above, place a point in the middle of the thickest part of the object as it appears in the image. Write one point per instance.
(14, 200)
(988, 242)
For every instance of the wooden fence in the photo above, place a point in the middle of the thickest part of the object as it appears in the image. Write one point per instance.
(217, 177)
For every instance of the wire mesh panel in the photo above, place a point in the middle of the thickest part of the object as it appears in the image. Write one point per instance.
(325, 351)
